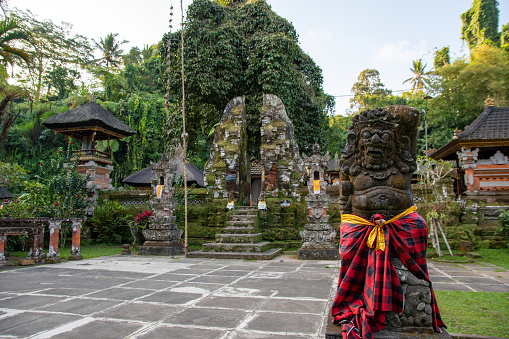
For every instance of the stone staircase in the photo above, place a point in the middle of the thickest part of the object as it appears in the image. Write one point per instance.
(239, 239)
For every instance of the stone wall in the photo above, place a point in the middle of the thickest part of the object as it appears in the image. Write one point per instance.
(228, 167)
(279, 150)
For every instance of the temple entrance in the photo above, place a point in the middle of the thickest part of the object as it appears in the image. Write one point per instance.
(256, 188)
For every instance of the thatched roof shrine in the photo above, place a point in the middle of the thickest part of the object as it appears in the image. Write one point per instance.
(144, 177)
(79, 121)
(489, 130)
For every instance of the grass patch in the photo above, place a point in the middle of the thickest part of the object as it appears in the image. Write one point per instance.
(498, 256)
(87, 252)
(481, 313)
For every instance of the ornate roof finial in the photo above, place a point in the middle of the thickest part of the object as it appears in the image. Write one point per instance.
(489, 102)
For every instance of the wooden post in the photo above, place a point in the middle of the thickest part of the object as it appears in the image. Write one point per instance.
(184, 134)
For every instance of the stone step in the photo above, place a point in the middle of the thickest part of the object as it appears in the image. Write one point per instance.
(240, 223)
(266, 255)
(251, 238)
(245, 211)
(239, 247)
(242, 217)
(238, 230)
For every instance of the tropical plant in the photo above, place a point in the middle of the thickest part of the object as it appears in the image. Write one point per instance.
(11, 32)
(11, 174)
(110, 223)
(110, 50)
(420, 80)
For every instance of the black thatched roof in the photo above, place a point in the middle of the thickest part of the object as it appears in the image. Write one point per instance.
(5, 194)
(493, 123)
(491, 128)
(144, 177)
(90, 116)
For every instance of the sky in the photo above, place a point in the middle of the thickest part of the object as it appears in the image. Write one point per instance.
(343, 37)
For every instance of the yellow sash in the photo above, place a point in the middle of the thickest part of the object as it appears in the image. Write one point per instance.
(376, 238)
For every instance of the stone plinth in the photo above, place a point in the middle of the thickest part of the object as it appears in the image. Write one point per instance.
(334, 332)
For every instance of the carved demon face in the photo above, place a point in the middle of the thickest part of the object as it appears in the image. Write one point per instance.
(377, 147)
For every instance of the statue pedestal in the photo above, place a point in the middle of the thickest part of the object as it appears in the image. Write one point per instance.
(334, 332)
(317, 254)
(161, 248)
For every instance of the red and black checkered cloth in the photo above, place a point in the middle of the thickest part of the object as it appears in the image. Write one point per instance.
(368, 283)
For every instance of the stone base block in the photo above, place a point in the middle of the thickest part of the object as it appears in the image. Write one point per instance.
(75, 257)
(26, 262)
(334, 332)
(53, 260)
(161, 250)
(267, 255)
(318, 254)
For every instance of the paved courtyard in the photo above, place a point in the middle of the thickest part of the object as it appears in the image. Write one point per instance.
(159, 297)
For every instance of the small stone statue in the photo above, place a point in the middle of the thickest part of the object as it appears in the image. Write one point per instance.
(383, 279)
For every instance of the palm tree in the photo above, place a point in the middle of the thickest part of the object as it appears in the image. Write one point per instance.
(110, 49)
(11, 32)
(420, 80)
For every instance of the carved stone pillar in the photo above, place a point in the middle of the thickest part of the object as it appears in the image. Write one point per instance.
(76, 236)
(53, 255)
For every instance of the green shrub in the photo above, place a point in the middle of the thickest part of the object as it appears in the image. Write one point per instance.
(110, 223)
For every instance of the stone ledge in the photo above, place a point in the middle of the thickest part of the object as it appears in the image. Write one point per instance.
(318, 254)
(267, 255)
(161, 250)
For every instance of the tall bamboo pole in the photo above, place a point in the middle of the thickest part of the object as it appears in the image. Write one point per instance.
(184, 134)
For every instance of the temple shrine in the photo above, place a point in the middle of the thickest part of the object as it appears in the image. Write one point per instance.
(90, 123)
(480, 154)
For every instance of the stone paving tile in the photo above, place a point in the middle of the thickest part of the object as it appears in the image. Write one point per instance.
(441, 279)
(489, 288)
(173, 277)
(151, 284)
(169, 331)
(80, 306)
(285, 323)
(177, 298)
(192, 287)
(103, 329)
(63, 291)
(140, 311)
(213, 279)
(208, 317)
(260, 335)
(27, 302)
(227, 273)
(120, 293)
(450, 287)
(239, 268)
(475, 280)
(294, 305)
(241, 303)
(190, 270)
(205, 266)
(278, 269)
(29, 323)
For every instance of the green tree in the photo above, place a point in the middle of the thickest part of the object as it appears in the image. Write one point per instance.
(110, 50)
(62, 80)
(480, 23)
(442, 58)
(368, 91)
(50, 44)
(243, 48)
(420, 80)
(11, 33)
(134, 56)
(461, 88)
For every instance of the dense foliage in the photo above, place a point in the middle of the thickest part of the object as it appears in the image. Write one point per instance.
(243, 48)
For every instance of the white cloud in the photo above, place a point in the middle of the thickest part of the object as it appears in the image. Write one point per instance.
(403, 51)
